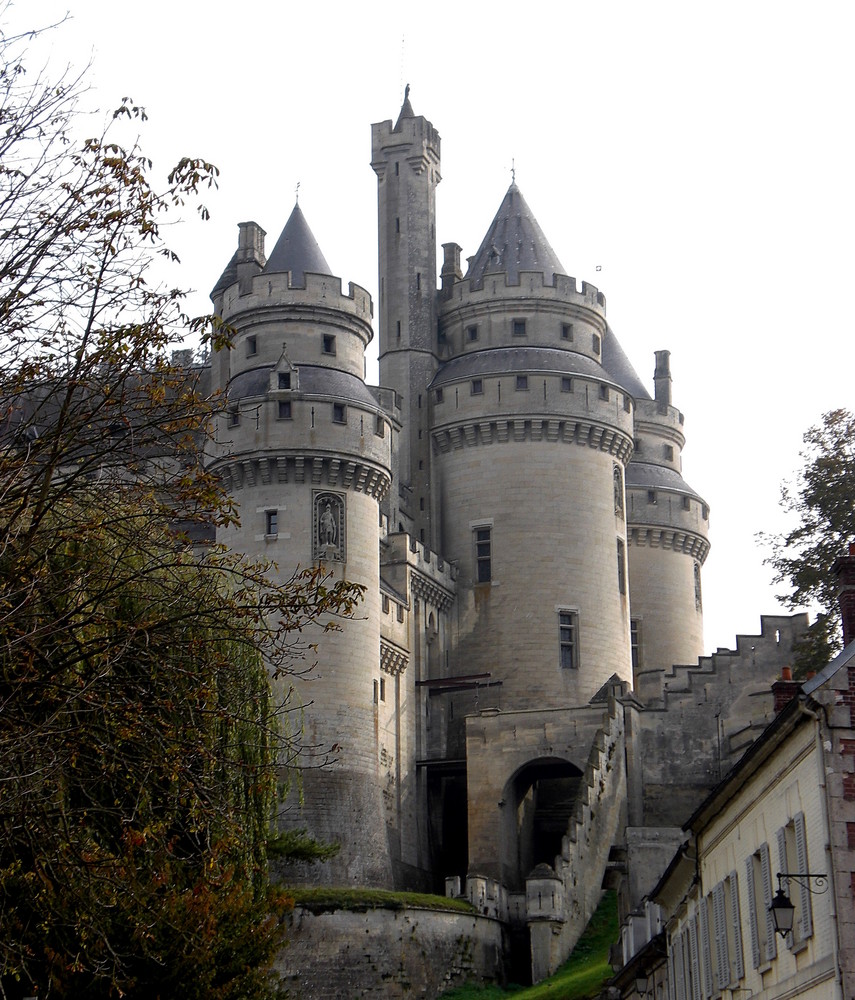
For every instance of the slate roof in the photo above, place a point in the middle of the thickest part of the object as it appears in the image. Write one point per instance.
(514, 243)
(297, 250)
(617, 364)
(314, 381)
(650, 476)
(496, 360)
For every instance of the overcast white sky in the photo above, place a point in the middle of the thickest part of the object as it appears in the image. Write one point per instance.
(699, 154)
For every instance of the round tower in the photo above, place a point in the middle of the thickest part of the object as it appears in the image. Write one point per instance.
(668, 524)
(304, 446)
(531, 436)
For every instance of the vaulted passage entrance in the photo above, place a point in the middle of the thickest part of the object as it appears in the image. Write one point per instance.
(541, 795)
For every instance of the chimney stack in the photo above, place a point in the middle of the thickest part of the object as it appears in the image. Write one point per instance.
(844, 570)
(662, 378)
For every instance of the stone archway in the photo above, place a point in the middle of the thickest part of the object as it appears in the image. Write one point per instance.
(539, 799)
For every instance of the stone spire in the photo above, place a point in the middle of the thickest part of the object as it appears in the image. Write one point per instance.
(514, 243)
(297, 250)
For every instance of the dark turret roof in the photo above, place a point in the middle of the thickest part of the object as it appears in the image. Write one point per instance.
(297, 250)
(406, 110)
(617, 364)
(514, 243)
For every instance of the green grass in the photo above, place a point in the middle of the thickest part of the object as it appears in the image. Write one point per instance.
(326, 899)
(581, 976)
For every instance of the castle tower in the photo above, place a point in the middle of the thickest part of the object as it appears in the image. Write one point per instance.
(668, 525)
(305, 448)
(406, 160)
(531, 436)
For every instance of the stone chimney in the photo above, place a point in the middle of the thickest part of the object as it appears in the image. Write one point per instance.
(844, 570)
(662, 379)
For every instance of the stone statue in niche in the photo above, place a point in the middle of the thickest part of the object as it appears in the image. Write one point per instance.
(618, 486)
(328, 517)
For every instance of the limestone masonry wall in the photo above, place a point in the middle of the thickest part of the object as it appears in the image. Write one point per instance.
(388, 953)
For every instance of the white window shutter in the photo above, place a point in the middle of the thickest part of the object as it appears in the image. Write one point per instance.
(735, 916)
(719, 919)
(752, 911)
(706, 951)
(766, 875)
(783, 866)
(679, 970)
(695, 959)
(802, 861)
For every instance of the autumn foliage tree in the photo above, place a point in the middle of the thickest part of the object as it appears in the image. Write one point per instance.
(822, 501)
(141, 736)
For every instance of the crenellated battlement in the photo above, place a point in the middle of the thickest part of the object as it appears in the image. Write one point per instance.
(277, 289)
(561, 287)
(414, 139)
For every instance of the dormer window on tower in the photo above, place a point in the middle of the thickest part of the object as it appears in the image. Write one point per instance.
(284, 380)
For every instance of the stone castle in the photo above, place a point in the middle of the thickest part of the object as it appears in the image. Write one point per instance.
(520, 711)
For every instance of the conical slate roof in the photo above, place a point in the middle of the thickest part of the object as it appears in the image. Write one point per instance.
(514, 243)
(297, 250)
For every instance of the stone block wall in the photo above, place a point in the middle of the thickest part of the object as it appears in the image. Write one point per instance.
(389, 954)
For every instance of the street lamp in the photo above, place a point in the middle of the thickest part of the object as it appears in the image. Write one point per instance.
(782, 908)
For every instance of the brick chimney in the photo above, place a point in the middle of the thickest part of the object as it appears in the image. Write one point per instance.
(844, 570)
(785, 689)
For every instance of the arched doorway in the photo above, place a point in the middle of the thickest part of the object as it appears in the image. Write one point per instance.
(541, 795)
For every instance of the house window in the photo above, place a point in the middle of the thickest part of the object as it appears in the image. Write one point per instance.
(621, 566)
(339, 414)
(483, 555)
(522, 382)
(793, 857)
(251, 346)
(234, 417)
(284, 380)
(329, 343)
(566, 331)
(595, 343)
(477, 386)
(471, 333)
(568, 639)
(284, 409)
(758, 889)
(635, 642)
(518, 327)
(566, 383)
(271, 522)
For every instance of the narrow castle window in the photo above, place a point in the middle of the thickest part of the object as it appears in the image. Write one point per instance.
(284, 380)
(566, 331)
(418, 280)
(398, 329)
(397, 169)
(617, 484)
(251, 346)
(477, 386)
(271, 522)
(686, 503)
(439, 395)
(604, 392)
(522, 382)
(483, 555)
(518, 327)
(568, 639)
(698, 601)
(284, 409)
(627, 404)
(566, 383)
(595, 343)
(651, 496)
(421, 503)
(669, 452)
(329, 343)
(471, 333)
(635, 642)
(400, 616)
(385, 604)
(382, 689)
(397, 225)
(621, 566)
(339, 414)
(379, 426)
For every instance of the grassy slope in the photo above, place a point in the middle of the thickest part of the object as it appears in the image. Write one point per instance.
(582, 975)
(325, 899)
